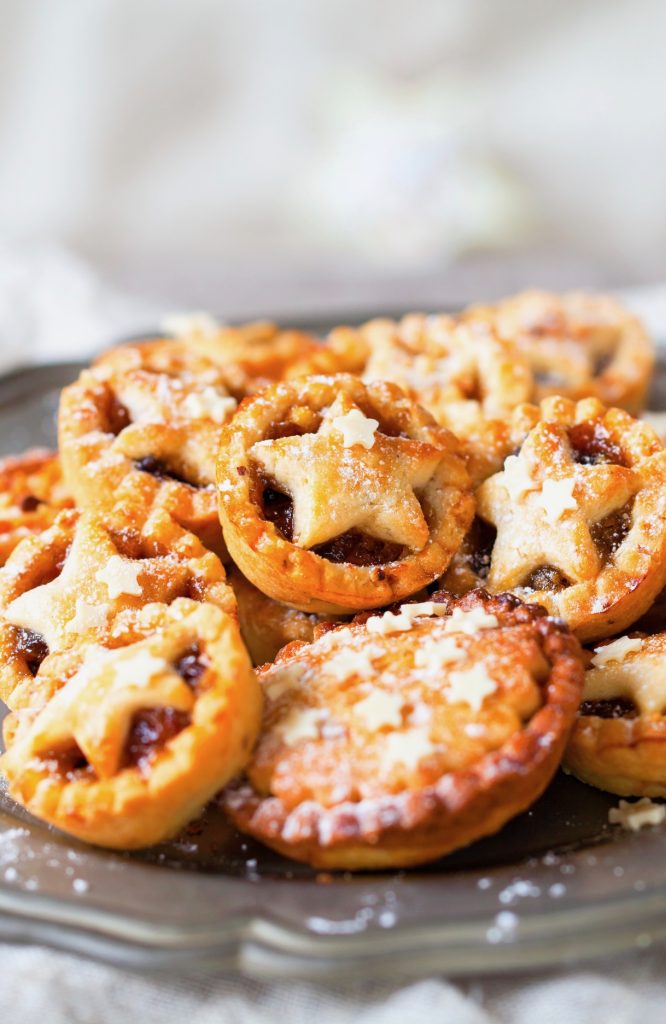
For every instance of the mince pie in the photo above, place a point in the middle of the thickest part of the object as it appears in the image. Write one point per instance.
(250, 355)
(576, 520)
(121, 743)
(397, 739)
(32, 493)
(578, 345)
(257, 354)
(336, 496)
(152, 412)
(342, 351)
(619, 740)
(456, 370)
(74, 579)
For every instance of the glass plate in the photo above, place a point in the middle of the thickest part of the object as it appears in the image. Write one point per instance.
(555, 885)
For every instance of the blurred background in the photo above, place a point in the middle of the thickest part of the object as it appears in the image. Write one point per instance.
(275, 157)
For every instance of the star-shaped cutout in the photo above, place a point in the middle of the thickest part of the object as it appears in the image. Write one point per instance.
(88, 617)
(335, 488)
(549, 524)
(518, 477)
(95, 708)
(173, 419)
(408, 748)
(380, 710)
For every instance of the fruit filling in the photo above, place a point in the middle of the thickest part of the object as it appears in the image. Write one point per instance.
(32, 647)
(161, 471)
(546, 577)
(592, 445)
(609, 533)
(616, 707)
(150, 731)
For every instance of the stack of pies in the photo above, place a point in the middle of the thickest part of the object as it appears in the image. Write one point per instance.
(340, 585)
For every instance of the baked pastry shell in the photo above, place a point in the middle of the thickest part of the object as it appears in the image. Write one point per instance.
(417, 826)
(36, 476)
(625, 588)
(624, 753)
(628, 351)
(96, 467)
(267, 625)
(136, 808)
(626, 756)
(157, 535)
(299, 577)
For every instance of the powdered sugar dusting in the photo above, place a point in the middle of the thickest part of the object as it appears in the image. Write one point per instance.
(25, 864)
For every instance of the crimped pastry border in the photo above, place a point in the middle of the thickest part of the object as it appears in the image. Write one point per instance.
(626, 756)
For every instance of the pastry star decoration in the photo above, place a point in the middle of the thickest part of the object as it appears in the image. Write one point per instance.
(335, 487)
(544, 505)
(94, 709)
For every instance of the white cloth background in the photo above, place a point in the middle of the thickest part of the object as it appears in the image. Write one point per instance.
(41, 987)
(387, 133)
(52, 306)
(38, 986)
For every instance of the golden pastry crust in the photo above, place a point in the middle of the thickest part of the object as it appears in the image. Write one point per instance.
(74, 580)
(580, 515)
(459, 371)
(342, 351)
(120, 745)
(463, 373)
(256, 354)
(372, 491)
(149, 416)
(656, 420)
(579, 345)
(390, 743)
(267, 625)
(162, 356)
(32, 494)
(619, 740)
